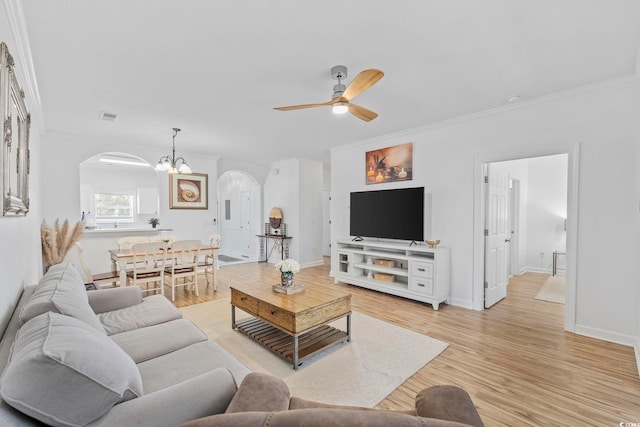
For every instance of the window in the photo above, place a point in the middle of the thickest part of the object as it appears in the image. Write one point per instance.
(114, 207)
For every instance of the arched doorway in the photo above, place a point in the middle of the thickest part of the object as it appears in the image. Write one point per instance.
(239, 202)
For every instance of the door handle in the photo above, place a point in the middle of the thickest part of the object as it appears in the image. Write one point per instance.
(507, 240)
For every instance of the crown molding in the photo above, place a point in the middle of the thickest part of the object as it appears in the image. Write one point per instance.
(22, 54)
(408, 133)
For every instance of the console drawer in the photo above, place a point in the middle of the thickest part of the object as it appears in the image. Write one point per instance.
(422, 269)
(244, 302)
(421, 285)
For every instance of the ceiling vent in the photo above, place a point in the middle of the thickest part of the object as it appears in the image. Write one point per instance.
(107, 116)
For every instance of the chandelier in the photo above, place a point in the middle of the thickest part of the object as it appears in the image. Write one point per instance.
(171, 163)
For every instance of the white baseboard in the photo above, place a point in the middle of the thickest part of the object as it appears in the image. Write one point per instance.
(312, 264)
(537, 270)
(461, 303)
(613, 337)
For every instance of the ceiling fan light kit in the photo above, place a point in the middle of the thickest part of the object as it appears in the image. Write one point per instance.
(342, 95)
(340, 107)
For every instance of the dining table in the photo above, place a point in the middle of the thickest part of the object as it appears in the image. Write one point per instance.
(120, 258)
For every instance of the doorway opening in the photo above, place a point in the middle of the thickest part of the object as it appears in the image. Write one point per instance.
(525, 216)
(239, 205)
(538, 233)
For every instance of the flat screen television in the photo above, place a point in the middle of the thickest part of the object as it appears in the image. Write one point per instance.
(388, 214)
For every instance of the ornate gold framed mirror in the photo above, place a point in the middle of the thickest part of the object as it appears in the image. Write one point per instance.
(14, 155)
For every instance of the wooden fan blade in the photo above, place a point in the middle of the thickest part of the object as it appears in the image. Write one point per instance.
(299, 107)
(362, 82)
(362, 113)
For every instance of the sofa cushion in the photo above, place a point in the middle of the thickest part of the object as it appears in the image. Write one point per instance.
(153, 341)
(189, 362)
(63, 372)
(153, 310)
(61, 291)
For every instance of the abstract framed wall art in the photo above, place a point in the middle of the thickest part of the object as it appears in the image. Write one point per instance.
(389, 164)
(188, 191)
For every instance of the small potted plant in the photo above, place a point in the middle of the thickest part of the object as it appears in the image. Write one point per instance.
(154, 222)
(287, 269)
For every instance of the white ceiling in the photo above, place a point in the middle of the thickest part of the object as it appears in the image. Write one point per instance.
(217, 68)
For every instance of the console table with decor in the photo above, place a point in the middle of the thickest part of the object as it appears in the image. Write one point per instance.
(279, 242)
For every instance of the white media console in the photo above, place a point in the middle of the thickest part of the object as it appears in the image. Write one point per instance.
(416, 272)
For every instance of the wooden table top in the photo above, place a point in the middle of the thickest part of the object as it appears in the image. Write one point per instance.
(127, 253)
(312, 297)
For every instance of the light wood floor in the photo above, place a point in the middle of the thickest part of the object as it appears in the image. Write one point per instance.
(515, 360)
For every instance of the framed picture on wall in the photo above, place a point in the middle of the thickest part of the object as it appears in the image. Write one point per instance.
(188, 191)
(389, 164)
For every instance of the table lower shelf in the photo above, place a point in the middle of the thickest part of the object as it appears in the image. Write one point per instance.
(282, 344)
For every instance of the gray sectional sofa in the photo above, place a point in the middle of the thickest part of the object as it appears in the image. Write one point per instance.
(107, 358)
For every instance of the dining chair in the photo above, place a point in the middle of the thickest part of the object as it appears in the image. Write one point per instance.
(76, 257)
(168, 238)
(184, 257)
(210, 261)
(126, 243)
(148, 265)
(129, 241)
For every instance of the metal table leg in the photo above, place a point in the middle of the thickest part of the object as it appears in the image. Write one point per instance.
(295, 352)
(233, 317)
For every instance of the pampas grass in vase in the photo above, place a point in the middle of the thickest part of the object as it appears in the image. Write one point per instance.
(57, 240)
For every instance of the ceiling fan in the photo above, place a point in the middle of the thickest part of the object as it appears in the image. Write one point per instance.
(342, 95)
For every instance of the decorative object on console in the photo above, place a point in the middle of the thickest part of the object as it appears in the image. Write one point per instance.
(171, 163)
(432, 243)
(14, 122)
(188, 191)
(275, 218)
(154, 222)
(57, 240)
(389, 164)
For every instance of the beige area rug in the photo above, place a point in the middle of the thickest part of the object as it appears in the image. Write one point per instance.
(552, 290)
(363, 372)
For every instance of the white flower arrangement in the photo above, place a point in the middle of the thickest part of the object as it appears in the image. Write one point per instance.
(288, 266)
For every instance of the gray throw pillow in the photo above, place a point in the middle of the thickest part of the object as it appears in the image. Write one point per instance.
(61, 290)
(64, 373)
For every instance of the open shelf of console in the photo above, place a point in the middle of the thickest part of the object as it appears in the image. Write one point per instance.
(416, 272)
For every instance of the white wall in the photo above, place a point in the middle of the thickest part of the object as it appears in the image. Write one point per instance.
(281, 189)
(546, 211)
(603, 121)
(259, 172)
(310, 201)
(295, 186)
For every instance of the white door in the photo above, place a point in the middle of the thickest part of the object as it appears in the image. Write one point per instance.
(245, 223)
(514, 220)
(326, 224)
(496, 269)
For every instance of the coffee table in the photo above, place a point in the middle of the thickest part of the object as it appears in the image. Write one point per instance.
(293, 326)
